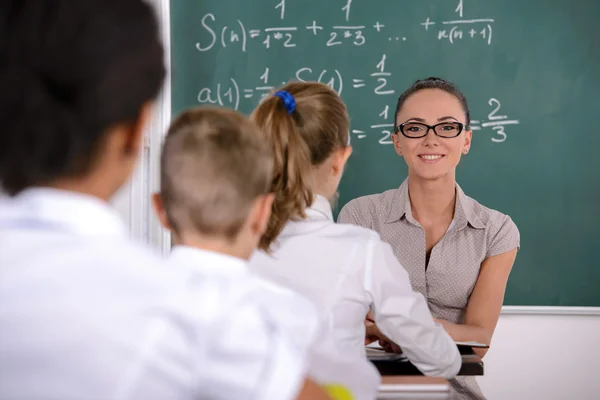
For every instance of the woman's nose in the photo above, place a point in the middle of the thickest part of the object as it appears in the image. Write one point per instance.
(431, 139)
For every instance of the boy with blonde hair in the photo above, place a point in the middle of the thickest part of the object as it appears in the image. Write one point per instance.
(216, 174)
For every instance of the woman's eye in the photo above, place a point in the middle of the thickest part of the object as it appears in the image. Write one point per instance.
(448, 127)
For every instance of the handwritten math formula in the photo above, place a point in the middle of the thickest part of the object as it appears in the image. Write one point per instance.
(244, 36)
(239, 36)
(231, 94)
(494, 122)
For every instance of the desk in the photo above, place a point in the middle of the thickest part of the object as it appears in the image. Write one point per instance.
(413, 388)
(389, 364)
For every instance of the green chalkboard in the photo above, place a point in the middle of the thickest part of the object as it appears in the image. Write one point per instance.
(531, 72)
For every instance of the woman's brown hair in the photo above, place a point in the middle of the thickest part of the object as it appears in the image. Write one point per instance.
(302, 135)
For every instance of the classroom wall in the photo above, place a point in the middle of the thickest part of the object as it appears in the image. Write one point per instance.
(546, 357)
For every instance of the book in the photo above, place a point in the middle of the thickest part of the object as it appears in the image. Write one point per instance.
(376, 353)
(473, 344)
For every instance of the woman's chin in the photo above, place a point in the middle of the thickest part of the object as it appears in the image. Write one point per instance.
(430, 174)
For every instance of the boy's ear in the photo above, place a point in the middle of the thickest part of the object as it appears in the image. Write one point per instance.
(159, 209)
(262, 213)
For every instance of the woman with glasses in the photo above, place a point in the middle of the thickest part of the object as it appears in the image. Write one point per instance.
(458, 253)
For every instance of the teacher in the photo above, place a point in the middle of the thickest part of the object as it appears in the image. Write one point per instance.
(458, 253)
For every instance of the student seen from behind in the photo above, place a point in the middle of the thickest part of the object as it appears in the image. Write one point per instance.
(85, 313)
(215, 179)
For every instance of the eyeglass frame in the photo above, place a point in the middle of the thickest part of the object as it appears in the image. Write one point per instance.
(400, 128)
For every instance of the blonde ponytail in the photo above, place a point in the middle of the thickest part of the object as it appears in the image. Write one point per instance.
(303, 125)
(291, 166)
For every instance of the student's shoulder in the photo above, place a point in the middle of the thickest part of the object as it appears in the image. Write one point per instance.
(127, 252)
(279, 300)
(355, 233)
(356, 238)
(270, 287)
(136, 266)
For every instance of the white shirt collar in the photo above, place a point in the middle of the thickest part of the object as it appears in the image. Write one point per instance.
(62, 210)
(320, 209)
(208, 261)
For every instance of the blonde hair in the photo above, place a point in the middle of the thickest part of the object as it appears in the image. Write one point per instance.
(301, 139)
(214, 164)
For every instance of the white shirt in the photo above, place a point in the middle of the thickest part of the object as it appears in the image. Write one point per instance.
(87, 314)
(346, 270)
(294, 313)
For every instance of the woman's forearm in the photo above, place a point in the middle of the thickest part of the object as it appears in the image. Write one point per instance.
(467, 333)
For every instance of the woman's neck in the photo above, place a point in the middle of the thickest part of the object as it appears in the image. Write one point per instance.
(432, 200)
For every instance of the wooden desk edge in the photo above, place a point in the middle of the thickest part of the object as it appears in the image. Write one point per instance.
(411, 379)
(413, 384)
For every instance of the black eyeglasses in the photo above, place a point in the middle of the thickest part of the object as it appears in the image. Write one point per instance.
(415, 130)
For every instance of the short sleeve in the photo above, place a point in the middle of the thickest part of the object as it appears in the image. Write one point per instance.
(251, 356)
(506, 238)
(352, 214)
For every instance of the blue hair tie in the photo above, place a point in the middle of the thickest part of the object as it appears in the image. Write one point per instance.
(288, 100)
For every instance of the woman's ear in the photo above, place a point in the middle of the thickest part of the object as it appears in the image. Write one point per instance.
(396, 141)
(467, 145)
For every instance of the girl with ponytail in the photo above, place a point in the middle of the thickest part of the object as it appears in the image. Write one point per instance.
(307, 128)
(346, 270)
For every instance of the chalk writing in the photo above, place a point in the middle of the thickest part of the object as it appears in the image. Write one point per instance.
(228, 35)
(223, 95)
(496, 122)
(314, 28)
(450, 31)
(459, 8)
(454, 30)
(346, 8)
(348, 32)
(381, 78)
(279, 33)
(455, 33)
(229, 94)
(281, 6)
